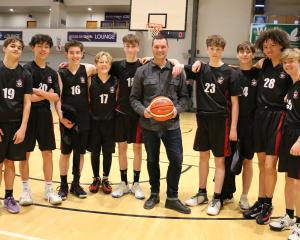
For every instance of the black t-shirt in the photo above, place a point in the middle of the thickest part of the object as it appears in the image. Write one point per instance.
(293, 106)
(44, 79)
(125, 72)
(14, 83)
(75, 94)
(214, 87)
(249, 82)
(273, 86)
(103, 98)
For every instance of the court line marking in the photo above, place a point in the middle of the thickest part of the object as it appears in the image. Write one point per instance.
(18, 235)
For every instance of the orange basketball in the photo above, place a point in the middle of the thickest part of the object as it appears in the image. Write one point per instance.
(161, 108)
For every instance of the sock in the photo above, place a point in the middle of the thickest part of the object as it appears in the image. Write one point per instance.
(105, 177)
(25, 185)
(261, 200)
(217, 195)
(244, 196)
(136, 176)
(124, 176)
(63, 179)
(202, 190)
(8, 193)
(48, 186)
(290, 212)
(268, 200)
(298, 219)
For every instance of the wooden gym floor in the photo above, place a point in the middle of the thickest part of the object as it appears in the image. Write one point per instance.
(103, 217)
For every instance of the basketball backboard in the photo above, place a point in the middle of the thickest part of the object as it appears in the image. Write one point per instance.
(171, 14)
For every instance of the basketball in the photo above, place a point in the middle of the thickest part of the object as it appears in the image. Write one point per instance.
(161, 108)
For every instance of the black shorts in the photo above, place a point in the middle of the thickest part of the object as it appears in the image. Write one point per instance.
(267, 131)
(9, 150)
(287, 162)
(213, 134)
(102, 136)
(245, 136)
(128, 129)
(72, 138)
(40, 128)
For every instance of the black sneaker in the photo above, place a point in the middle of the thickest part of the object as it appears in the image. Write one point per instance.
(77, 190)
(63, 191)
(264, 216)
(253, 211)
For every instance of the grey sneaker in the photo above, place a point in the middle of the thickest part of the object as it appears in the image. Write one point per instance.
(198, 199)
(282, 223)
(11, 205)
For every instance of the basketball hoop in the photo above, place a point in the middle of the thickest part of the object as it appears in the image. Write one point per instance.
(153, 29)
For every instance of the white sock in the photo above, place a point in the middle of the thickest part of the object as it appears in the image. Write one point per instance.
(26, 186)
(244, 196)
(48, 185)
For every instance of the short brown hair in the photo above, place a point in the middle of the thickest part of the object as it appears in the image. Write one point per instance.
(73, 43)
(276, 35)
(290, 53)
(159, 37)
(10, 40)
(131, 39)
(102, 54)
(215, 40)
(245, 46)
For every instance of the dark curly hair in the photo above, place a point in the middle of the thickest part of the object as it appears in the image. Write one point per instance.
(276, 35)
(40, 39)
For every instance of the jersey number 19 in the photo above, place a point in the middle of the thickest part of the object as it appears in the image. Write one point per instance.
(9, 93)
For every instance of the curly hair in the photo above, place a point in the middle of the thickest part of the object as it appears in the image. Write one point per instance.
(276, 35)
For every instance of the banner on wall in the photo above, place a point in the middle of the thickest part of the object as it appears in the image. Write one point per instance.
(292, 29)
(93, 36)
(6, 34)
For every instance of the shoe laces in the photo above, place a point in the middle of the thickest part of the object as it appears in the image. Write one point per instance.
(96, 182)
(266, 207)
(214, 202)
(11, 201)
(106, 183)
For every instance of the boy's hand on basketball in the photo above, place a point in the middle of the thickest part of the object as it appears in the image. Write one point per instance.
(233, 135)
(66, 122)
(1, 134)
(196, 66)
(295, 150)
(19, 135)
(147, 113)
(63, 65)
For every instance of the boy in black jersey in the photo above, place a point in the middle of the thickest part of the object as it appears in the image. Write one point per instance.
(102, 91)
(128, 129)
(73, 104)
(273, 85)
(217, 92)
(289, 156)
(40, 123)
(15, 102)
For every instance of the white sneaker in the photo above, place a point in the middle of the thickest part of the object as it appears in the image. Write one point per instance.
(282, 223)
(214, 207)
(198, 199)
(26, 199)
(244, 203)
(137, 191)
(121, 190)
(52, 197)
(295, 234)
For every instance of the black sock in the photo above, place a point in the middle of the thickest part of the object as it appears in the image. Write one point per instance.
(124, 176)
(290, 212)
(63, 179)
(202, 190)
(8, 193)
(261, 200)
(298, 219)
(136, 176)
(268, 200)
(217, 195)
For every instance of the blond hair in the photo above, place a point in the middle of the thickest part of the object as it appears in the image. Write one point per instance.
(102, 54)
(290, 53)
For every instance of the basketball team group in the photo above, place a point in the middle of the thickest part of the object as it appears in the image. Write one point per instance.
(254, 108)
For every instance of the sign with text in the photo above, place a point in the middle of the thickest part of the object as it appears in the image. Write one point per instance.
(93, 36)
(6, 34)
(117, 16)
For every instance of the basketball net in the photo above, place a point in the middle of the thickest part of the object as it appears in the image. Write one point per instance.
(153, 29)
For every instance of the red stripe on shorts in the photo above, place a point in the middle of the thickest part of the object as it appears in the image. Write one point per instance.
(227, 150)
(279, 133)
(138, 135)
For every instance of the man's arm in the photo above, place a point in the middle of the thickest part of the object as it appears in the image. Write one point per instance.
(182, 92)
(234, 118)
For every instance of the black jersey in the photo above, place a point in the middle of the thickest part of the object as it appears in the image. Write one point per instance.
(103, 98)
(273, 86)
(293, 106)
(214, 87)
(75, 94)
(44, 79)
(249, 82)
(125, 72)
(14, 83)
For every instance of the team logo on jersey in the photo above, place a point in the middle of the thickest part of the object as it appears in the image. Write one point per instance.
(296, 94)
(253, 82)
(220, 79)
(282, 75)
(19, 83)
(49, 80)
(82, 80)
(112, 89)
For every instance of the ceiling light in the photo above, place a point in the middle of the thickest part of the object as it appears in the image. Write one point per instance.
(89, 9)
(11, 9)
(50, 9)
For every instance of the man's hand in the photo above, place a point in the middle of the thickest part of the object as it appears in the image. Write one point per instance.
(67, 123)
(295, 150)
(144, 60)
(1, 134)
(177, 70)
(233, 135)
(19, 135)
(196, 66)
(147, 113)
(63, 65)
